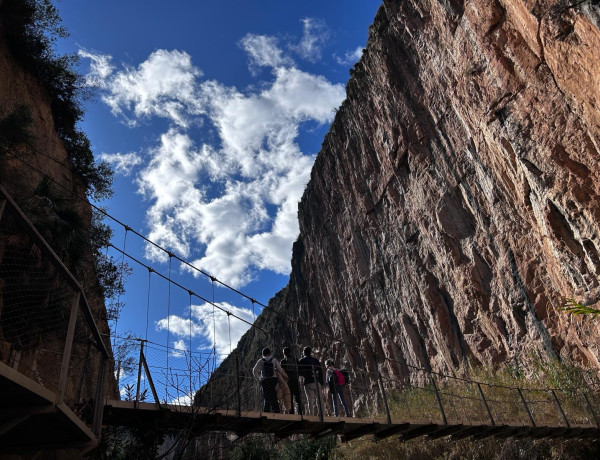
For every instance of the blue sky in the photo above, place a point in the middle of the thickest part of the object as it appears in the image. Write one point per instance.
(212, 114)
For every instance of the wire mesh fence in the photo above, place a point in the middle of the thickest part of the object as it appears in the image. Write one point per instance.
(196, 380)
(47, 332)
(48, 335)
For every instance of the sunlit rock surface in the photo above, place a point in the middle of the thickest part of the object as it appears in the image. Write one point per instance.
(455, 201)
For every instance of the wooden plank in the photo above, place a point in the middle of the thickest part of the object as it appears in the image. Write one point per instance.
(44, 394)
(329, 428)
(470, 431)
(367, 428)
(491, 432)
(250, 426)
(418, 431)
(13, 423)
(390, 431)
(295, 427)
(445, 431)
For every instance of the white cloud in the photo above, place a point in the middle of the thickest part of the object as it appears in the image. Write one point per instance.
(179, 348)
(164, 85)
(122, 162)
(183, 400)
(264, 52)
(350, 57)
(211, 324)
(100, 68)
(314, 36)
(229, 204)
(257, 165)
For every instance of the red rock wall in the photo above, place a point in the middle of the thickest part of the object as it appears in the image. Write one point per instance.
(455, 201)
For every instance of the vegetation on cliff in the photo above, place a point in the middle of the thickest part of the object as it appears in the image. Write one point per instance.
(31, 28)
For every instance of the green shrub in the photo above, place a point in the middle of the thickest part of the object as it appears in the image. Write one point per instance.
(253, 448)
(309, 449)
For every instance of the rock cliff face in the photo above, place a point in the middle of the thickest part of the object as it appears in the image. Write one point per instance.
(41, 162)
(455, 201)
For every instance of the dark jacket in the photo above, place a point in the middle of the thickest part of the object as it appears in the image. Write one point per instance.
(291, 367)
(307, 364)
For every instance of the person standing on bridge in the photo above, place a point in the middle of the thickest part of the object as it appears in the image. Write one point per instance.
(265, 372)
(290, 366)
(336, 383)
(311, 370)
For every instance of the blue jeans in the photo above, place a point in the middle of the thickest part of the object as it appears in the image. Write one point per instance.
(339, 393)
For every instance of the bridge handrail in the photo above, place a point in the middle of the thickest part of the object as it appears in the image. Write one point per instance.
(45, 247)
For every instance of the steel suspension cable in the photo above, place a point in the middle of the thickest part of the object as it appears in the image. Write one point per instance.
(330, 337)
(188, 264)
(214, 327)
(168, 328)
(229, 326)
(195, 294)
(150, 270)
(190, 345)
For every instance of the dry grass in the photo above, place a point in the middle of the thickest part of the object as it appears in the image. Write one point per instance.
(463, 403)
(424, 449)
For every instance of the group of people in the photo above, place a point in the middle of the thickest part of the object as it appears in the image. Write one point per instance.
(281, 381)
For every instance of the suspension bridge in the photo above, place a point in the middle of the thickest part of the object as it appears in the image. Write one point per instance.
(55, 363)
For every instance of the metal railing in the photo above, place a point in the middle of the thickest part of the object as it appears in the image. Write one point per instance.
(422, 397)
(47, 330)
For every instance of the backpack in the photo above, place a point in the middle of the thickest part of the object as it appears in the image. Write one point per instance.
(339, 378)
(346, 375)
(268, 370)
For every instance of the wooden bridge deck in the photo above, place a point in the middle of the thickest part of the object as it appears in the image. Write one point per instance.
(200, 420)
(30, 420)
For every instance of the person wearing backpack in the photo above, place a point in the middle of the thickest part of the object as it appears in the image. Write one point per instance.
(265, 371)
(312, 372)
(336, 381)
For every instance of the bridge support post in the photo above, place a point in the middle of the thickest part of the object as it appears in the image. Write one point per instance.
(150, 381)
(99, 406)
(439, 399)
(64, 368)
(139, 377)
(560, 409)
(591, 410)
(526, 407)
(385, 402)
(487, 408)
(237, 384)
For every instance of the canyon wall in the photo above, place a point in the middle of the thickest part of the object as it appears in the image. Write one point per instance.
(455, 202)
(37, 172)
